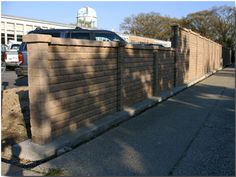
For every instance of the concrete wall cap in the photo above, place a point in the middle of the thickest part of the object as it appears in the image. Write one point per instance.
(146, 47)
(199, 35)
(37, 38)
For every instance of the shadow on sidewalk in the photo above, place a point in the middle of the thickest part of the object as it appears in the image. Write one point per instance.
(14, 160)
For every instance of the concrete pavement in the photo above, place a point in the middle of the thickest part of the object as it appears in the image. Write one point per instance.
(191, 133)
(212, 151)
(10, 80)
(12, 170)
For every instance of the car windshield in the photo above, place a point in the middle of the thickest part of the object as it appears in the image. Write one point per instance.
(15, 46)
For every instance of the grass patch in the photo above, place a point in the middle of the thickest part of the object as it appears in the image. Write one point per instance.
(54, 172)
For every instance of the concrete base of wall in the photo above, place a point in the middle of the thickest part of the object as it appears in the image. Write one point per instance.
(41, 153)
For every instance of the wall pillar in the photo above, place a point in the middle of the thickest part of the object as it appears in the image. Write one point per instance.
(175, 44)
(175, 36)
(155, 74)
(38, 87)
(120, 71)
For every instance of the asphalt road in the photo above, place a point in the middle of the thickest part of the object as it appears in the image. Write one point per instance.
(10, 80)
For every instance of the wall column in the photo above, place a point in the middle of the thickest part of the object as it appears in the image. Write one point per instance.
(38, 87)
(155, 74)
(175, 44)
(175, 36)
(120, 71)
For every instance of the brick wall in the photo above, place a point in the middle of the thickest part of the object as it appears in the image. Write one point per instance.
(165, 70)
(137, 74)
(196, 56)
(74, 82)
(70, 83)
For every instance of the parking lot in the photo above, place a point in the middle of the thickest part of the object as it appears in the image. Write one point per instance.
(10, 79)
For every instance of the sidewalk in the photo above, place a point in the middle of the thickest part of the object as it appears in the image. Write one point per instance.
(191, 133)
(12, 170)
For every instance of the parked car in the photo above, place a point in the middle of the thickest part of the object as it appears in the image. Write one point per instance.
(10, 56)
(77, 33)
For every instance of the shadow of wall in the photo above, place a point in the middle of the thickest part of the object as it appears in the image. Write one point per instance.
(24, 104)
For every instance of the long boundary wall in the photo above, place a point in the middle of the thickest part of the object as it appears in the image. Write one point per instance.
(74, 82)
(196, 55)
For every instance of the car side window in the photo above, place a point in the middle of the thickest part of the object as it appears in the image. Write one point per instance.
(55, 34)
(100, 38)
(76, 35)
(106, 37)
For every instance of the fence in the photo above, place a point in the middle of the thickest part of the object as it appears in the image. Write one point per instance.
(74, 82)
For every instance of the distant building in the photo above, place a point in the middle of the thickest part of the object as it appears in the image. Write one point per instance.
(144, 40)
(87, 18)
(13, 28)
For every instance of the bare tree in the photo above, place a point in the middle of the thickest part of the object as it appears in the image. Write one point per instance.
(217, 23)
(151, 25)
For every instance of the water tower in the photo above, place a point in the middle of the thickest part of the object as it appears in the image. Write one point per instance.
(87, 17)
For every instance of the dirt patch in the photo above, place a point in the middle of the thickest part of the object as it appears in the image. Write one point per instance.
(15, 118)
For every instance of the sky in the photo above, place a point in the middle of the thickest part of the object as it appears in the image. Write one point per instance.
(109, 14)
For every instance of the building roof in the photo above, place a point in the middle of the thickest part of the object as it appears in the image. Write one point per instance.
(36, 20)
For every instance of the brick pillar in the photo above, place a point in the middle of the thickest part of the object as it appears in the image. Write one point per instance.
(175, 36)
(175, 44)
(37, 54)
(120, 85)
(155, 74)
